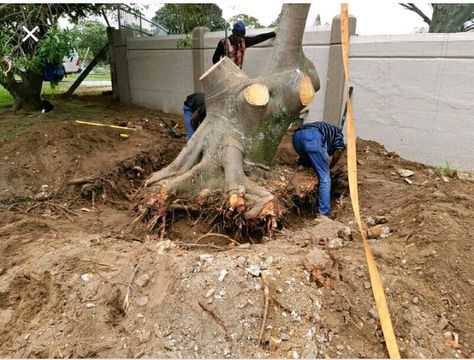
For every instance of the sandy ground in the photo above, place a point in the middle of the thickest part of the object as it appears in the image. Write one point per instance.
(76, 280)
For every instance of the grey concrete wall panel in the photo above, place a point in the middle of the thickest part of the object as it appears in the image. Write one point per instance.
(413, 45)
(416, 97)
(154, 42)
(161, 79)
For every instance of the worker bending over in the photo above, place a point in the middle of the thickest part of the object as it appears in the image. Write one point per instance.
(194, 112)
(315, 143)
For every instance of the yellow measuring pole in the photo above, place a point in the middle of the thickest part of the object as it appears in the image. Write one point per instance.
(105, 125)
(376, 282)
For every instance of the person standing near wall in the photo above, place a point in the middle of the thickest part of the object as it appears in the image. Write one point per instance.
(194, 112)
(234, 46)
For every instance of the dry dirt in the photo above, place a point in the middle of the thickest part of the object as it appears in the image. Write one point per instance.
(77, 281)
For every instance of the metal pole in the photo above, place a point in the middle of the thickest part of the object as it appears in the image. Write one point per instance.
(343, 119)
(118, 17)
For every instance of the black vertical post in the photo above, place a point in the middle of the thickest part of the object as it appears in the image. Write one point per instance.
(118, 17)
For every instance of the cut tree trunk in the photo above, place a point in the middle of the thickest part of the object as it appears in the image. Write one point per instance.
(26, 92)
(220, 166)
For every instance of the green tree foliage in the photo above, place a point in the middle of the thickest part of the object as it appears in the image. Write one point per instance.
(89, 37)
(183, 18)
(52, 47)
(317, 20)
(447, 18)
(22, 63)
(250, 21)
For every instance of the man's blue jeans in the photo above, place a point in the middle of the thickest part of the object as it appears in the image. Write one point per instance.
(308, 143)
(188, 112)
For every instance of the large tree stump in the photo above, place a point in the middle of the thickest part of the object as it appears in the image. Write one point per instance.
(246, 120)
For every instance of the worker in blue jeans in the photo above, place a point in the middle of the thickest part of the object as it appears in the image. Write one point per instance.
(194, 112)
(315, 143)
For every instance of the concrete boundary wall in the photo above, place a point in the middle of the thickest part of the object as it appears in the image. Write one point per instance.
(414, 94)
(161, 75)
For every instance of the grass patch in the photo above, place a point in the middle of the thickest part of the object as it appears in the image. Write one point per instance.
(9, 129)
(14, 123)
(90, 77)
(447, 171)
(6, 100)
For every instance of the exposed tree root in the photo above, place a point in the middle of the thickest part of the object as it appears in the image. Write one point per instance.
(217, 235)
(217, 319)
(118, 186)
(247, 211)
(42, 207)
(210, 246)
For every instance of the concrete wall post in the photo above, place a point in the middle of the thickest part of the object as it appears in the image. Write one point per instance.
(198, 55)
(119, 64)
(335, 77)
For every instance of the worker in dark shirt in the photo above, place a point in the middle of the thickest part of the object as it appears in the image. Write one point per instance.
(315, 143)
(234, 47)
(194, 112)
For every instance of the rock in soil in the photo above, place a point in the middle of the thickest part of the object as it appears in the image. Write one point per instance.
(142, 280)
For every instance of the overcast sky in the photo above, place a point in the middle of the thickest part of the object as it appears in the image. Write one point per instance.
(373, 18)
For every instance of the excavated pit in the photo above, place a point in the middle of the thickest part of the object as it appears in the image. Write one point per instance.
(92, 286)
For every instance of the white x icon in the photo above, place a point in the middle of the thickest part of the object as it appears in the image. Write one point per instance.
(30, 33)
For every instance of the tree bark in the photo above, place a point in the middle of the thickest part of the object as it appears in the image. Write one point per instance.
(246, 120)
(450, 18)
(446, 18)
(26, 92)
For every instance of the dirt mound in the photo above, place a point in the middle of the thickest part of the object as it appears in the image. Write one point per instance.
(65, 151)
(92, 287)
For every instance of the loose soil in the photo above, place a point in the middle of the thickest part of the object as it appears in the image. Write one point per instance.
(77, 280)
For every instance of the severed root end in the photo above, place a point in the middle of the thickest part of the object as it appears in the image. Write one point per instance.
(257, 94)
(236, 201)
(241, 216)
(249, 211)
(269, 209)
(306, 91)
(263, 208)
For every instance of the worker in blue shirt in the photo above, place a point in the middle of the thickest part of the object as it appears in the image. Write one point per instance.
(315, 143)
